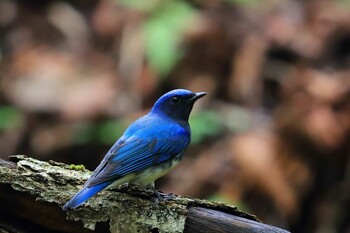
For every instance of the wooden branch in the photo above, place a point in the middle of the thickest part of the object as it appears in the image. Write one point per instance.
(32, 193)
(208, 220)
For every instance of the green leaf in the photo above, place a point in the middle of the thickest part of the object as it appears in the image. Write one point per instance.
(105, 133)
(84, 132)
(10, 118)
(163, 32)
(108, 132)
(204, 124)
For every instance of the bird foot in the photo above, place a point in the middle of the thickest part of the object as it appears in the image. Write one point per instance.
(160, 196)
(124, 186)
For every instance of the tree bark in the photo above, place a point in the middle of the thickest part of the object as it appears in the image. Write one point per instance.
(32, 193)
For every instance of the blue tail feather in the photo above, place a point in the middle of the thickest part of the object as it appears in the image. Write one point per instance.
(84, 195)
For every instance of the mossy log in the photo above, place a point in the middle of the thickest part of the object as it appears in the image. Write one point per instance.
(32, 193)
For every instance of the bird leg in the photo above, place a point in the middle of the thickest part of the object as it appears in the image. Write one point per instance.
(124, 186)
(164, 196)
(160, 196)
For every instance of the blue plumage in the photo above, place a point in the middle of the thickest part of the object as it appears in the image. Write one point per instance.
(148, 149)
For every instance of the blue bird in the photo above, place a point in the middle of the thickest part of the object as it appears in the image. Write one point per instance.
(148, 149)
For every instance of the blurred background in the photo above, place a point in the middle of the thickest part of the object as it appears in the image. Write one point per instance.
(271, 137)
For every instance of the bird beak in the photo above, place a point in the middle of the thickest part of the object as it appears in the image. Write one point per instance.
(197, 96)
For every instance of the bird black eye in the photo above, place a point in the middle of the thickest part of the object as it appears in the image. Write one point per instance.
(175, 100)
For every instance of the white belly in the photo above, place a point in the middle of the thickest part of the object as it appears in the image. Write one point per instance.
(147, 176)
(151, 174)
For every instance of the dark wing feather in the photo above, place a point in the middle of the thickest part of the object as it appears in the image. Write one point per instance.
(134, 155)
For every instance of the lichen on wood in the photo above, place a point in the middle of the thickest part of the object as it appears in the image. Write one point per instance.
(40, 189)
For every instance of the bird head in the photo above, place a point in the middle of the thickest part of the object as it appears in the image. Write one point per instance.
(177, 104)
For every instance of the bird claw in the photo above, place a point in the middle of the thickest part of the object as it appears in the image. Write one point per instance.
(160, 196)
(124, 186)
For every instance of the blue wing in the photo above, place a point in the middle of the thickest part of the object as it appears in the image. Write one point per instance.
(134, 155)
(126, 157)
